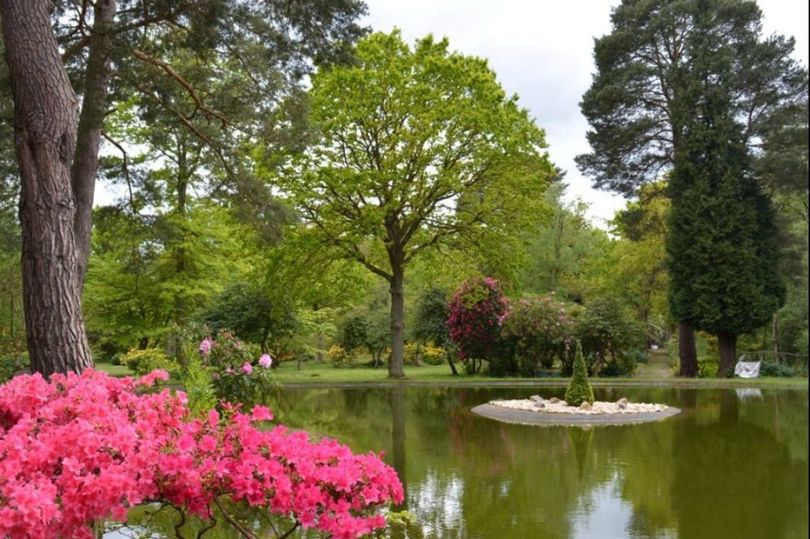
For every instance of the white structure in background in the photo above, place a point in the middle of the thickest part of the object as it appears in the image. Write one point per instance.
(747, 369)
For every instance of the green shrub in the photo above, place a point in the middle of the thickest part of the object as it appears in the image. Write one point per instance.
(623, 364)
(613, 369)
(772, 368)
(608, 333)
(579, 389)
(367, 329)
(11, 365)
(416, 354)
(707, 367)
(432, 313)
(145, 361)
(338, 356)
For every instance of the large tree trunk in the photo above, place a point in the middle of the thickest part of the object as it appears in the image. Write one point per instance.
(727, 344)
(91, 124)
(687, 351)
(397, 361)
(45, 123)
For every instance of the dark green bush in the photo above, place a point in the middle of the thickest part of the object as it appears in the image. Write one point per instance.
(613, 369)
(579, 389)
(432, 312)
(608, 333)
(774, 369)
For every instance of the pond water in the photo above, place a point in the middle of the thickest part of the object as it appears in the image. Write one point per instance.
(734, 463)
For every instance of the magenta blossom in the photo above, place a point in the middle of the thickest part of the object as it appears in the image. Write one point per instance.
(265, 361)
(247, 368)
(77, 449)
(206, 345)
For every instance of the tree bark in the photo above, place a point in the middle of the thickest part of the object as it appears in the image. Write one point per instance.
(397, 361)
(91, 123)
(727, 345)
(452, 365)
(45, 125)
(687, 351)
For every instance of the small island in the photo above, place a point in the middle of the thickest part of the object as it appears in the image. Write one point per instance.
(578, 408)
(538, 411)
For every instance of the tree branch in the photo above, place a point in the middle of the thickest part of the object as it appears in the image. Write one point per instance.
(233, 522)
(124, 168)
(182, 82)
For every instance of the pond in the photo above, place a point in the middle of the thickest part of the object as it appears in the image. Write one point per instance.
(734, 463)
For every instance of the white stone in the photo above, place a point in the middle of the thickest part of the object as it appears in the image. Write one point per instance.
(597, 408)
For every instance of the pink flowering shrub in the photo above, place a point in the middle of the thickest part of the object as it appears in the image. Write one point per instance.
(539, 330)
(81, 448)
(476, 311)
(236, 374)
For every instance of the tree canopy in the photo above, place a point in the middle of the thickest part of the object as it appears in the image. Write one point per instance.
(418, 147)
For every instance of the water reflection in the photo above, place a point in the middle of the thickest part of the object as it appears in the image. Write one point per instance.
(726, 467)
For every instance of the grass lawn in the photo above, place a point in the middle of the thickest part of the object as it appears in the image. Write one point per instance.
(323, 374)
(314, 374)
(114, 370)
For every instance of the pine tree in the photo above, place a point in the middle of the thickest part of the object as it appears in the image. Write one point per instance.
(638, 106)
(723, 247)
(579, 389)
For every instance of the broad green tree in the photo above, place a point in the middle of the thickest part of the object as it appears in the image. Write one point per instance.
(636, 104)
(562, 249)
(418, 147)
(133, 284)
(637, 261)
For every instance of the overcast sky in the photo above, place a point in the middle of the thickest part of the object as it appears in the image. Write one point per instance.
(542, 51)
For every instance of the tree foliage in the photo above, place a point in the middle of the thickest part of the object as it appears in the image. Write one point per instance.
(637, 105)
(723, 249)
(608, 334)
(561, 250)
(432, 313)
(418, 147)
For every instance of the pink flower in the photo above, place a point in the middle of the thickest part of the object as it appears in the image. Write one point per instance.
(247, 368)
(206, 345)
(265, 361)
(80, 448)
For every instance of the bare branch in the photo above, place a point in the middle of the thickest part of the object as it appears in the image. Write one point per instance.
(124, 168)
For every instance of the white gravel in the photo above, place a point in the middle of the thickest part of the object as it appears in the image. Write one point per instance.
(598, 407)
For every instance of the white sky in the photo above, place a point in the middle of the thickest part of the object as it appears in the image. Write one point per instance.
(542, 51)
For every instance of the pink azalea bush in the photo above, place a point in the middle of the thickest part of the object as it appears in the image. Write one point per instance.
(476, 311)
(81, 448)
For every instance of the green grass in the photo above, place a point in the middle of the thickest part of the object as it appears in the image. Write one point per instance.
(114, 370)
(439, 375)
(323, 374)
